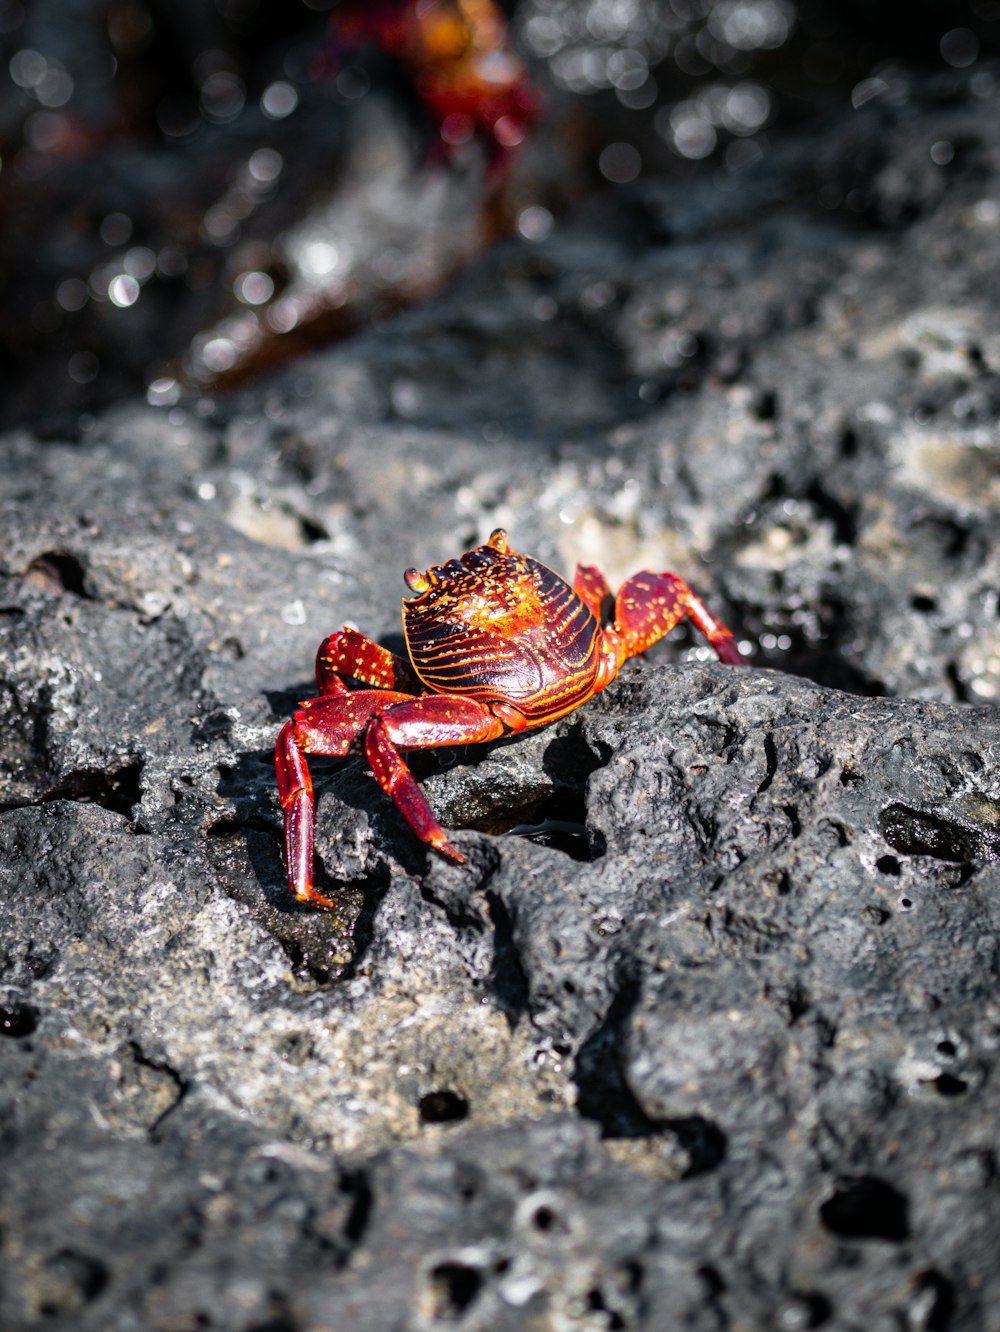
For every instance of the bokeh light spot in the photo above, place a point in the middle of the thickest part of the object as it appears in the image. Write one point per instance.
(139, 262)
(115, 229)
(959, 47)
(163, 392)
(457, 128)
(279, 100)
(83, 367)
(27, 67)
(509, 132)
(265, 165)
(253, 288)
(222, 96)
(55, 87)
(620, 163)
(123, 291)
(534, 223)
(688, 133)
(219, 354)
(318, 258)
(72, 294)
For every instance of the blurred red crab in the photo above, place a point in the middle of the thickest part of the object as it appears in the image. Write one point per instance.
(460, 57)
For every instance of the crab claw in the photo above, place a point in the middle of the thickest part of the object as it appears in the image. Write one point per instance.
(498, 540)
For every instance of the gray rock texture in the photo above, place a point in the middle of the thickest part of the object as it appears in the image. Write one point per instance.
(705, 1032)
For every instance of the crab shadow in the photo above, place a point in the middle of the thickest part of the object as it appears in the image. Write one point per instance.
(246, 849)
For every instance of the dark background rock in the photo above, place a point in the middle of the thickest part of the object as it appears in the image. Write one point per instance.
(704, 1033)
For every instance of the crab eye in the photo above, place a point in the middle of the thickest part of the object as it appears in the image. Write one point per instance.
(498, 540)
(416, 581)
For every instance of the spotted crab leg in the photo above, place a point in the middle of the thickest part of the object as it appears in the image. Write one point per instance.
(330, 726)
(423, 723)
(648, 606)
(591, 586)
(348, 653)
(388, 721)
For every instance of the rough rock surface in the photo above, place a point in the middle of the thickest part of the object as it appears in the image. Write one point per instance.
(705, 1033)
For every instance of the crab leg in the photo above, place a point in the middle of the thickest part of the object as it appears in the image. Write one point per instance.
(648, 606)
(591, 586)
(349, 653)
(295, 790)
(329, 725)
(422, 723)
(389, 720)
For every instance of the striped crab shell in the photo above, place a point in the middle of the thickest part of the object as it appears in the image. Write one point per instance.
(499, 626)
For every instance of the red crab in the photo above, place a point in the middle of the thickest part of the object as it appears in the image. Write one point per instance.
(463, 64)
(497, 643)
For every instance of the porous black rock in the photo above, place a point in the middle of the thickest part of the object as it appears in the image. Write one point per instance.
(704, 1033)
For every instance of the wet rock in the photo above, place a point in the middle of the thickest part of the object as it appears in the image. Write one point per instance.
(703, 1032)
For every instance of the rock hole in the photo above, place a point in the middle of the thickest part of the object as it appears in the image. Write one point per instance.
(355, 1185)
(561, 822)
(116, 788)
(56, 572)
(214, 725)
(312, 531)
(805, 1309)
(946, 534)
(945, 836)
(765, 407)
(73, 1279)
(954, 678)
(443, 1107)
(843, 517)
(771, 762)
(795, 823)
(933, 1302)
(452, 1288)
(866, 1207)
(704, 1143)
(923, 604)
(596, 1303)
(17, 1021)
(276, 1322)
(946, 1084)
(231, 649)
(848, 442)
(712, 1281)
(227, 825)
(947, 1048)
(888, 865)
(797, 1002)
(548, 1221)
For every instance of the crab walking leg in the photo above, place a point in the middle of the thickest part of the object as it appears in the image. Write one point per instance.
(422, 723)
(591, 586)
(329, 726)
(648, 606)
(295, 790)
(349, 653)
